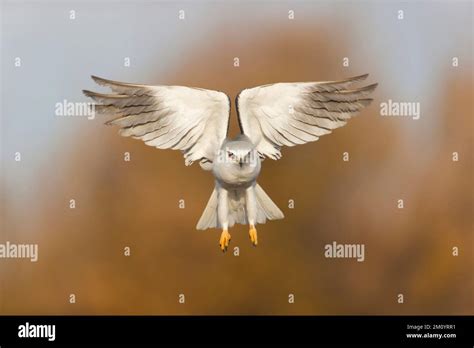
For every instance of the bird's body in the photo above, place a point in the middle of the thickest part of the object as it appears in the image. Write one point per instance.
(237, 198)
(196, 120)
(237, 164)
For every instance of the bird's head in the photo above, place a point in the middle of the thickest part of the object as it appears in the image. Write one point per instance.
(240, 151)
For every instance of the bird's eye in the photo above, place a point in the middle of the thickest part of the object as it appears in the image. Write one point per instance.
(230, 154)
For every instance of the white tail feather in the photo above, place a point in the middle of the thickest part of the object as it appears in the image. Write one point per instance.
(266, 205)
(209, 216)
(266, 209)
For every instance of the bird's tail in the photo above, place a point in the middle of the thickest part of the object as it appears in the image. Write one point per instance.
(266, 209)
(209, 216)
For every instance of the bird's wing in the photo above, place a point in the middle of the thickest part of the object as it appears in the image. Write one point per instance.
(192, 120)
(296, 113)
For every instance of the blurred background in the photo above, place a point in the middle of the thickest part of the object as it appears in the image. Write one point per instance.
(136, 204)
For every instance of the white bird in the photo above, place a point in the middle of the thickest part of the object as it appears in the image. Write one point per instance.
(196, 121)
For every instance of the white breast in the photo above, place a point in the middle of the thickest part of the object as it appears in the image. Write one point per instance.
(232, 175)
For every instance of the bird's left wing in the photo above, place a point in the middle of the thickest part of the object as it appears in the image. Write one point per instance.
(296, 113)
(192, 120)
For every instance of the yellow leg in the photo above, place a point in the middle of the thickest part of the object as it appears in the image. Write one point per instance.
(224, 241)
(253, 235)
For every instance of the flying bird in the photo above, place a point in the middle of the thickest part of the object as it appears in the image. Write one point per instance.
(196, 121)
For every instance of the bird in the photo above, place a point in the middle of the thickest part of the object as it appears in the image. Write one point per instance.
(196, 122)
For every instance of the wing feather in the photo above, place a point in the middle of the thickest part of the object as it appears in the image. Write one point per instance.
(288, 114)
(192, 120)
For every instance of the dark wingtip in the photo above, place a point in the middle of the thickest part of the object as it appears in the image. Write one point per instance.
(374, 85)
(360, 77)
(98, 80)
(88, 93)
(369, 87)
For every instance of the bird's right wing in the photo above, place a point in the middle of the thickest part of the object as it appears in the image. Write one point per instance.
(287, 114)
(192, 120)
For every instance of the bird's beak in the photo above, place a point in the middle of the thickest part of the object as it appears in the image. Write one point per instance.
(241, 162)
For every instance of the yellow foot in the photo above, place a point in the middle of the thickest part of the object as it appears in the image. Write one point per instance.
(253, 235)
(224, 241)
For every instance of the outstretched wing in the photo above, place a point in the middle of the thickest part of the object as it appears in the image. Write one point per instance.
(296, 113)
(192, 120)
